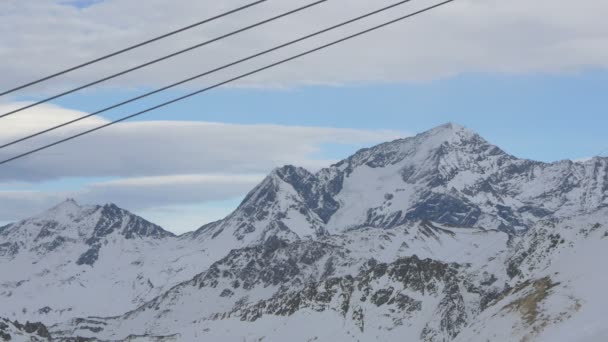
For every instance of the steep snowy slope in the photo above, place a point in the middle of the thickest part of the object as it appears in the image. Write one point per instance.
(283, 205)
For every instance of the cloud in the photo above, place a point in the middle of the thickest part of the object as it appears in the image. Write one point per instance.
(166, 148)
(498, 36)
(39, 118)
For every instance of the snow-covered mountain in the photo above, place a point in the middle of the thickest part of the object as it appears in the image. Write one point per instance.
(78, 260)
(437, 237)
(448, 175)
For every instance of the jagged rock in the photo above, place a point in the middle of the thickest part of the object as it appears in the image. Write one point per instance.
(15, 331)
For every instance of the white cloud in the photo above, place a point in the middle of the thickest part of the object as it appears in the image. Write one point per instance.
(154, 148)
(513, 36)
(38, 118)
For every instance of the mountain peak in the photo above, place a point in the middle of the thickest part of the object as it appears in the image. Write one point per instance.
(67, 208)
(449, 133)
(111, 206)
(68, 203)
(289, 172)
(451, 142)
(450, 126)
(113, 218)
(71, 221)
(428, 147)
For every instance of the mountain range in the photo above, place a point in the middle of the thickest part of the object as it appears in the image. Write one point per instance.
(437, 237)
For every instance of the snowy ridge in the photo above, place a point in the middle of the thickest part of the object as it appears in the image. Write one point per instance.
(438, 237)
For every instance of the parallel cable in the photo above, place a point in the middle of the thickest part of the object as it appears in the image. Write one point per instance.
(256, 71)
(205, 74)
(133, 47)
(141, 66)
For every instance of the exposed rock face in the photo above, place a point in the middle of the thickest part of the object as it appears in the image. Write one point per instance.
(437, 237)
(15, 331)
(112, 218)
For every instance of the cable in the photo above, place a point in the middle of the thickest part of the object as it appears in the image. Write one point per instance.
(226, 82)
(113, 54)
(141, 66)
(204, 74)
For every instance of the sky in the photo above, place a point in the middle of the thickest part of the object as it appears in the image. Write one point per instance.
(530, 77)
